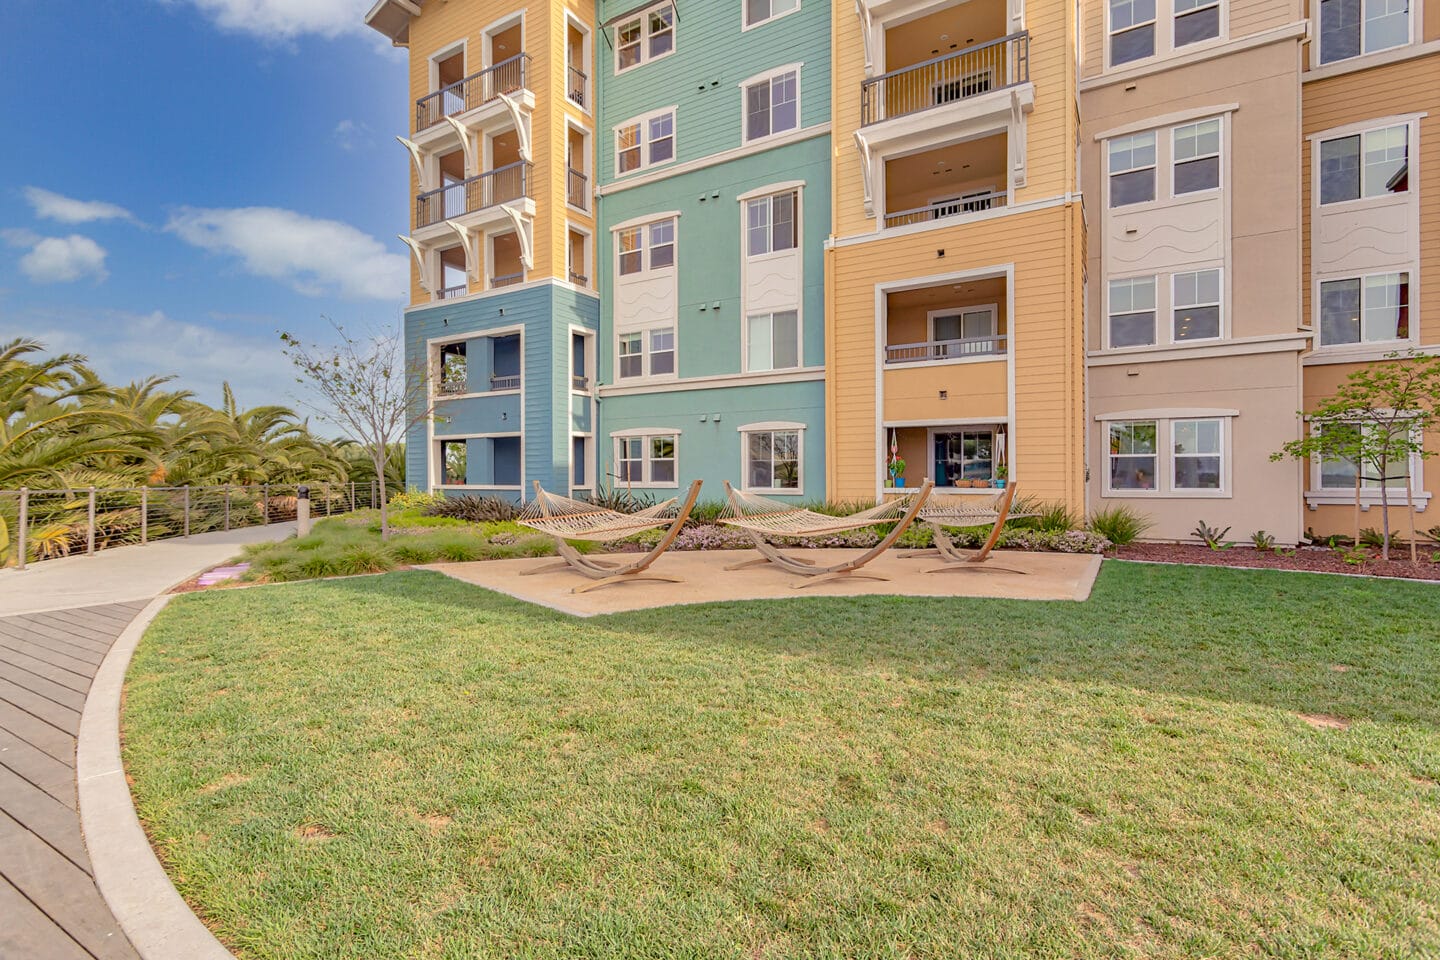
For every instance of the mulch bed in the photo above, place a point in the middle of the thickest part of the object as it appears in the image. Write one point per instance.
(1307, 559)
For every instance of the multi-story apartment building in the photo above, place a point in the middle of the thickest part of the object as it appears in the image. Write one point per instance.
(1111, 249)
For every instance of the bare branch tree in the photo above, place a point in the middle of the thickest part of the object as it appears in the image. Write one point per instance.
(366, 391)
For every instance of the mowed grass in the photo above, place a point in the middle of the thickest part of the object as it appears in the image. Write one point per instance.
(408, 766)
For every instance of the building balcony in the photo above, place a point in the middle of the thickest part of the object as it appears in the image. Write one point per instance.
(577, 85)
(577, 189)
(932, 351)
(942, 209)
(472, 92)
(486, 191)
(947, 183)
(947, 81)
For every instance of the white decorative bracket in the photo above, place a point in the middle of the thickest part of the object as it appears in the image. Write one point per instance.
(522, 124)
(866, 181)
(420, 261)
(1017, 15)
(1017, 139)
(467, 143)
(524, 229)
(418, 156)
(470, 242)
(868, 34)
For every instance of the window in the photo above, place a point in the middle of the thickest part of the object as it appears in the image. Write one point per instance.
(1132, 312)
(646, 37)
(772, 460)
(1373, 309)
(645, 142)
(1197, 305)
(452, 462)
(453, 369)
(1349, 28)
(1133, 451)
(1338, 473)
(970, 332)
(964, 455)
(579, 361)
(1196, 20)
(1132, 30)
(646, 460)
(759, 11)
(580, 461)
(1197, 460)
(646, 353)
(772, 341)
(772, 105)
(1197, 156)
(1369, 164)
(771, 225)
(1132, 169)
(632, 241)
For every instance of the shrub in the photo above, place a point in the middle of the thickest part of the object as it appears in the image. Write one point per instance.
(1059, 541)
(1434, 533)
(413, 550)
(414, 499)
(317, 565)
(1371, 537)
(474, 509)
(1120, 525)
(458, 549)
(1212, 537)
(1051, 515)
(1262, 540)
(362, 559)
(621, 501)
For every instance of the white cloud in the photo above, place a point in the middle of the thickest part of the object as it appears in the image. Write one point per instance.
(53, 206)
(350, 134)
(64, 260)
(286, 20)
(312, 256)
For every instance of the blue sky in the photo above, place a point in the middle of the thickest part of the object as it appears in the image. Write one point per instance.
(179, 179)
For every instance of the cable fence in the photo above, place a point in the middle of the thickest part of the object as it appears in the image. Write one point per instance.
(38, 525)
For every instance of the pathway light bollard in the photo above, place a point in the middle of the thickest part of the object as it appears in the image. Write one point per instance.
(302, 511)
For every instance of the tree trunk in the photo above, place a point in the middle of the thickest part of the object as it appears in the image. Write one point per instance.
(1410, 503)
(1384, 508)
(378, 458)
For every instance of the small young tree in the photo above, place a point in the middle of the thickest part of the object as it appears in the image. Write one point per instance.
(366, 390)
(1377, 419)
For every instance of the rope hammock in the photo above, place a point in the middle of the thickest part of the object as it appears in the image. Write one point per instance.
(577, 520)
(750, 511)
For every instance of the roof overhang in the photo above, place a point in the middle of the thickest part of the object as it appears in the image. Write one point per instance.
(392, 18)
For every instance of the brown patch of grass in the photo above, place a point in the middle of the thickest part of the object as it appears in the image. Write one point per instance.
(229, 780)
(1324, 721)
(1341, 667)
(437, 821)
(315, 833)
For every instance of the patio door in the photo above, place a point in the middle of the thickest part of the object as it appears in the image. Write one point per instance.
(973, 327)
(963, 455)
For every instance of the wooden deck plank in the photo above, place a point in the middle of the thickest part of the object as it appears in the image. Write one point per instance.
(28, 934)
(54, 657)
(103, 619)
(90, 657)
(56, 714)
(36, 732)
(17, 631)
(41, 769)
(66, 678)
(62, 890)
(44, 816)
(26, 626)
(49, 689)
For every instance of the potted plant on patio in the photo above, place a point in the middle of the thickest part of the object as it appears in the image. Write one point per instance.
(1002, 472)
(896, 466)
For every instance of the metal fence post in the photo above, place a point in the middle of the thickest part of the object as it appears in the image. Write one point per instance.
(352, 496)
(227, 507)
(374, 500)
(24, 525)
(144, 515)
(90, 524)
(187, 509)
(264, 504)
(327, 499)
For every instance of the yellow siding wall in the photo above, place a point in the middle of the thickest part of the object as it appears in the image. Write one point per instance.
(973, 390)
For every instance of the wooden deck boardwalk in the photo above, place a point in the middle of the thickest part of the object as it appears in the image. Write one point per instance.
(48, 899)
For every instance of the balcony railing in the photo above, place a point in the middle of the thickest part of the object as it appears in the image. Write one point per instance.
(576, 85)
(946, 349)
(579, 279)
(954, 77)
(450, 293)
(580, 383)
(959, 207)
(577, 188)
(507, 76)
(506, 280)
(505, 383)
(501, 185)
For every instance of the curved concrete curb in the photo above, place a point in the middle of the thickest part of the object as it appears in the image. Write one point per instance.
(151, 912)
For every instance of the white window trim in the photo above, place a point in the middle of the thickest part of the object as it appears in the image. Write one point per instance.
(1412, 151)
(1172, 162)
(745, 341)
(789, 186)
(1384, 346)
(1108, 312)
(1165, 36)
(1222, 327)
(432, 363)
(1317, 496)
(745, 26)
(588, 252)
(646, 271)
(644, 141)
(645, 434)
(992, 308)
(1316, 62)
(1224, 454)
(772, 426)
(589, 464)
(587, 163)
(1164, 421)
(644, 17)
(587, 65)
(770, 75)
(644, 332)
(1110, 174)
(462, 47)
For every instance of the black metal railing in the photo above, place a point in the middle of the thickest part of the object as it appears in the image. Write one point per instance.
(579, 279)
(501, 185)
(506, 280)
(945, 349)
(949, 79)
(507, 76)
(959, 207)
(576, 85)
(579, 383)
(505, 383)
(577, 188)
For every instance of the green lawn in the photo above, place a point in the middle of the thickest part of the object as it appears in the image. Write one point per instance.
(407, 766)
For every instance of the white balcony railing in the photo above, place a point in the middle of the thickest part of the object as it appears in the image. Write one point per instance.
(958, 207)
(946, 350)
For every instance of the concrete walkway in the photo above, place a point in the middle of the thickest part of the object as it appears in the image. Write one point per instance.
(61, 675)
(124, 573)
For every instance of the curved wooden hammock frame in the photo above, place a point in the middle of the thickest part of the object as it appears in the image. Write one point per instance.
(808, 568)
(954, 557)
(604, 523)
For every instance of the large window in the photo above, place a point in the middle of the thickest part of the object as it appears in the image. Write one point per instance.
(645, 37)
(454, 377)
(772, 341)
(1132, 169)
(1132, 312)
(972, 331)
(1196, 20)
(1132, 30)
(964, 455)
(1369, 164)
(1196, 156)
(772, 460)
(1338, 473)
(772, 105)
(1349, 28)
(633, 243)
(1197, 458)
(452, 462)
(1372, 309)
(1197, 306)
(644, 142)
(646, 353)
(759, 11)
(646, 460)
(1134, 453)
(771, 224)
